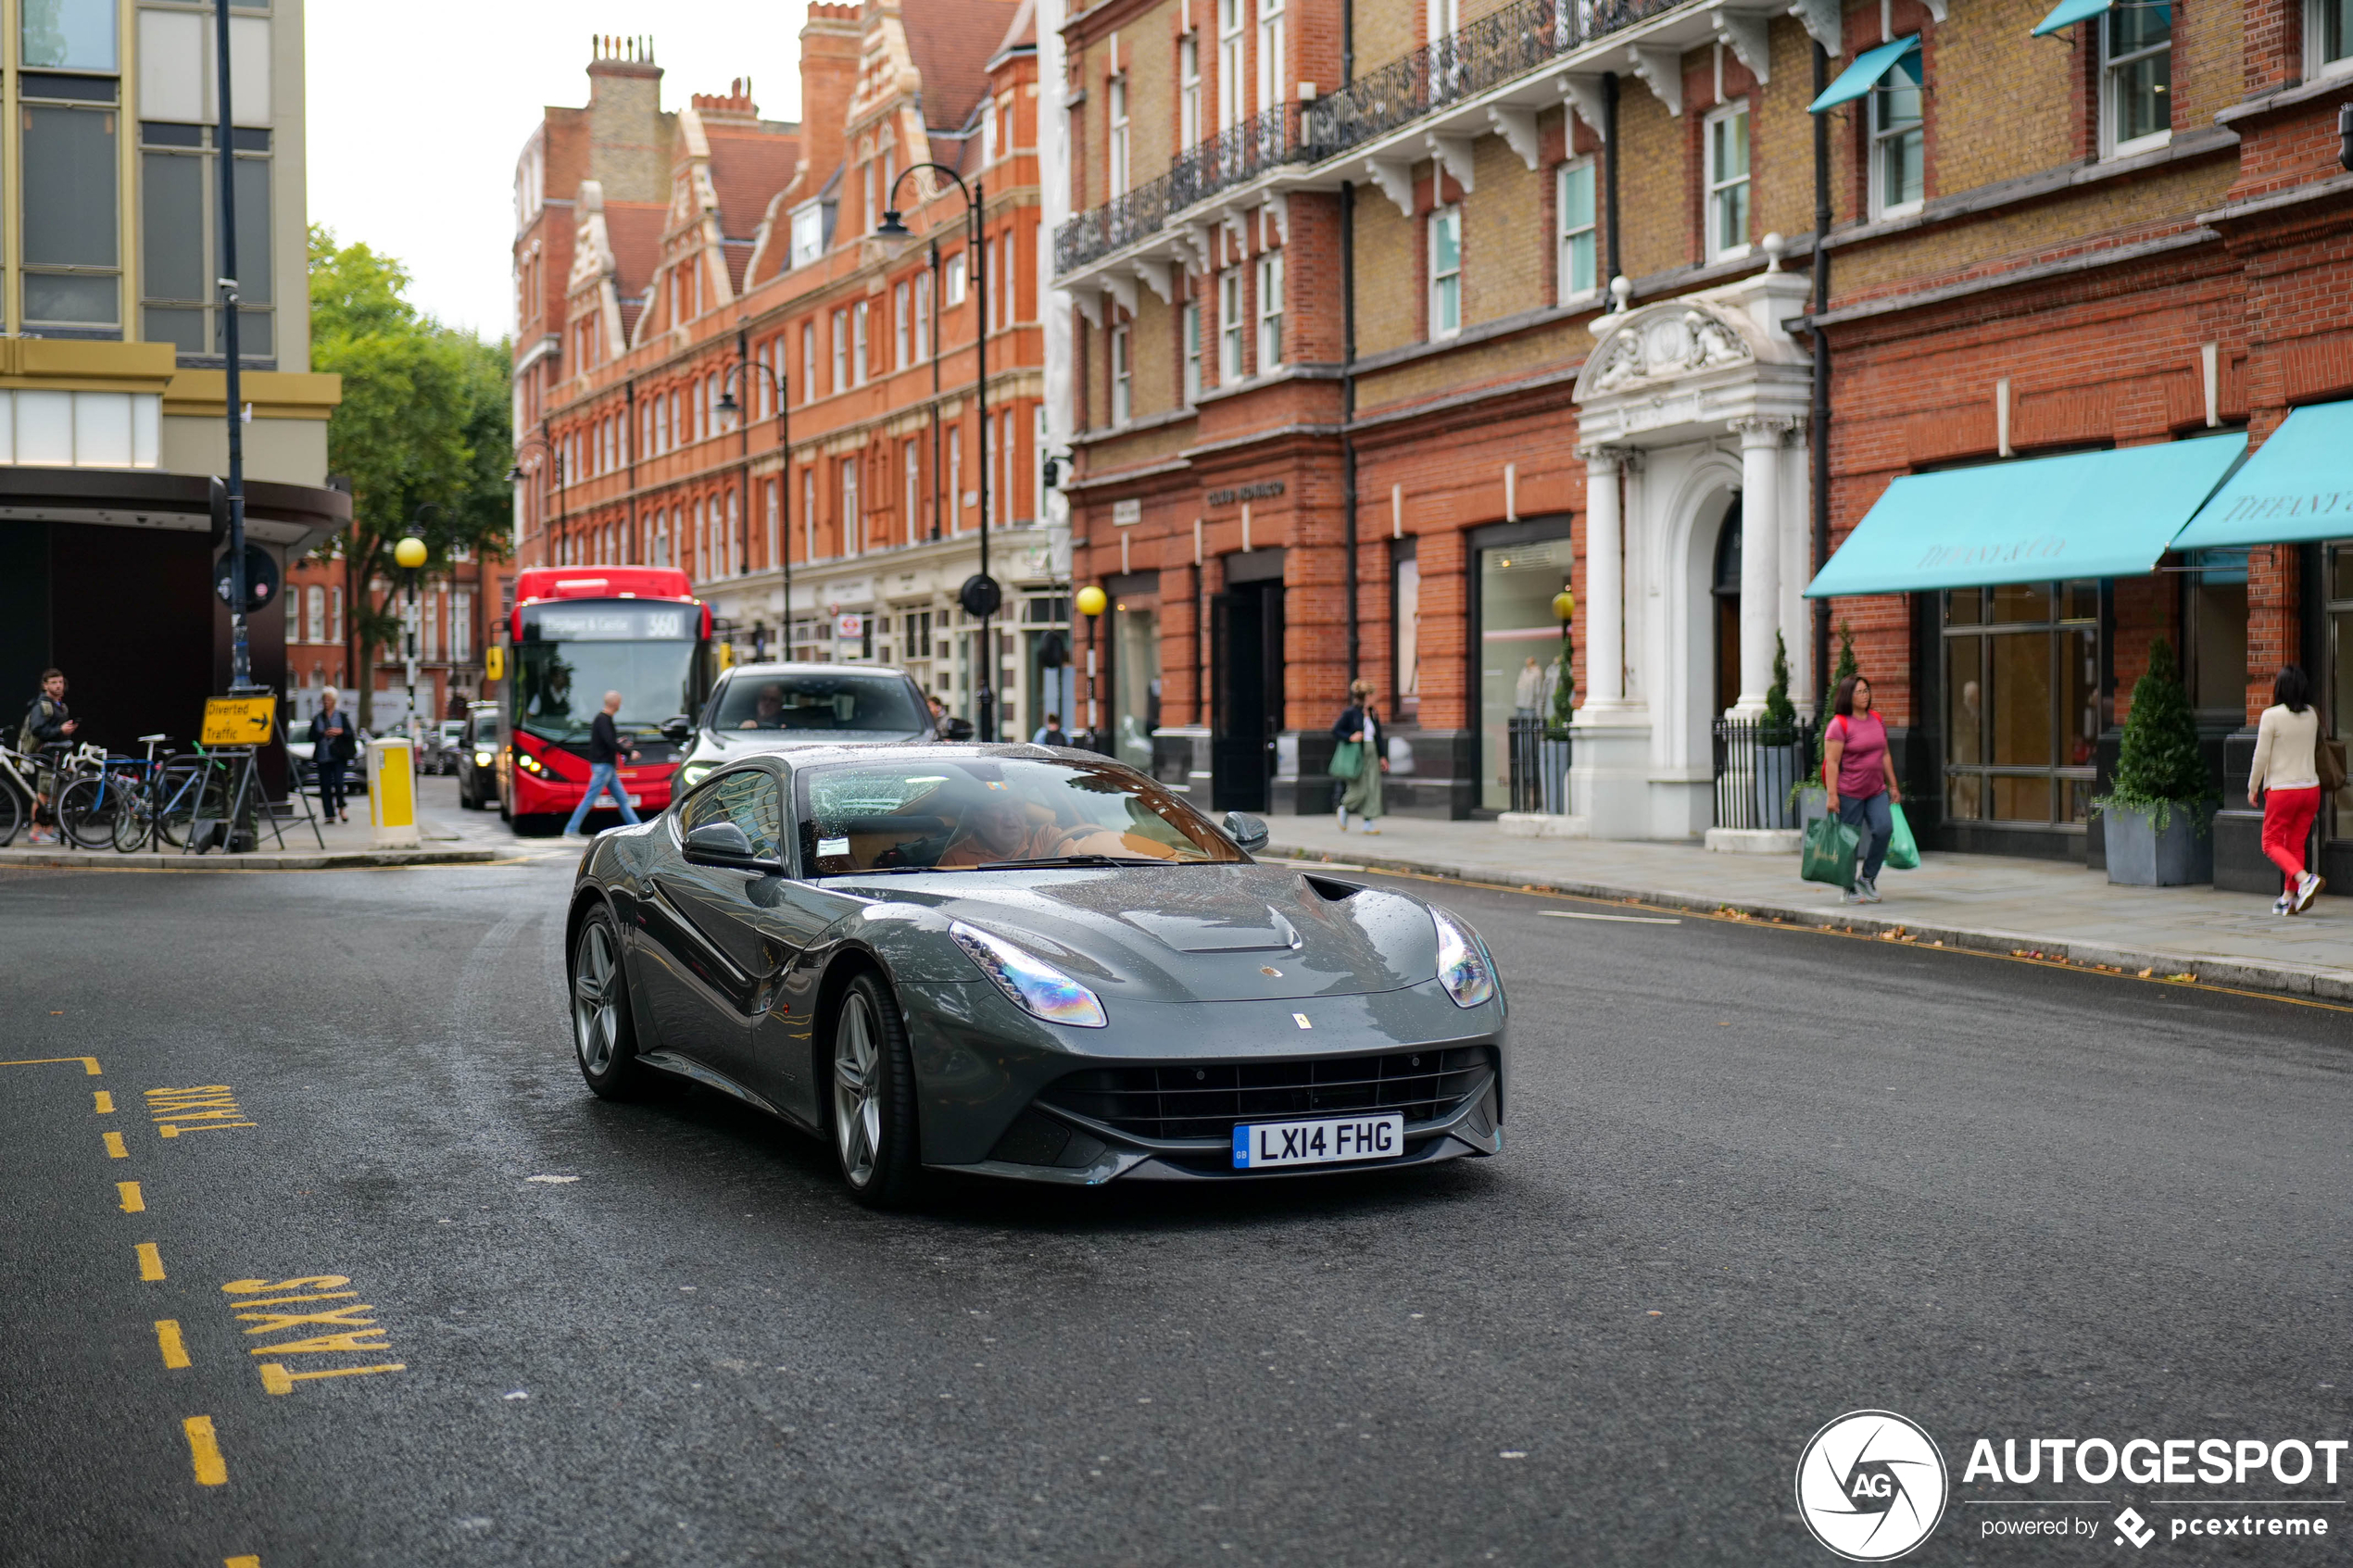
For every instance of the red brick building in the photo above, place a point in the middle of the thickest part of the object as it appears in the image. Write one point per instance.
(1353, 397)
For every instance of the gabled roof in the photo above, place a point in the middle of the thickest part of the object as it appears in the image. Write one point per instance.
(634, 230)
(951, 42)
(1020, 34)
(747, 167)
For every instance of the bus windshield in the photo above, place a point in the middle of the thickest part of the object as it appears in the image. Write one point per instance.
(573, 653)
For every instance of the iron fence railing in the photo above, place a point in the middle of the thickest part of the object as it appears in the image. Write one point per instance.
(1759, 766)
(1538, 764)
(1484, 53)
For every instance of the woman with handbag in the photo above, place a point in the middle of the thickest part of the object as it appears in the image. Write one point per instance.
(2285, 783)
(334, 741)
(1358, 758)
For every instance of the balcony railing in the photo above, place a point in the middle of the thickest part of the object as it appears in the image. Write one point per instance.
(1485, 54)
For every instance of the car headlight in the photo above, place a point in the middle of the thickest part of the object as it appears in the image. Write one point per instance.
(481, 759)
(1463, 966)
(1036, 986)
(694, 773)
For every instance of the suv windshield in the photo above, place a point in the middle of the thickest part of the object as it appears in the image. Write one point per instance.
(802, 701)
(993, 812)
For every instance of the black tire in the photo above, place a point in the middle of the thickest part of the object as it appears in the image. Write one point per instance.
(85, 813)
(604, 1037)
(871, 1106)
(15, 811)
(133, 821)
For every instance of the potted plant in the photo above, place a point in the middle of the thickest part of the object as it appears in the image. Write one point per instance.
(2159, 808)
(1555, 745)
(1780, 756)
(1813, 798)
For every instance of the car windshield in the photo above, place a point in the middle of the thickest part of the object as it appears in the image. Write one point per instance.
(802, 701)
(573, 653)
(993, 812)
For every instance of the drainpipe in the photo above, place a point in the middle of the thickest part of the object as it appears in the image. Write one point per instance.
(1609, 170)
(1818, 422)
(1347, 415)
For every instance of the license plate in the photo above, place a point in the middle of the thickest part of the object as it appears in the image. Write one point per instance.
(635, 801)
(1259, 1145)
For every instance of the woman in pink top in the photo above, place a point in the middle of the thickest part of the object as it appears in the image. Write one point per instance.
(1861, 779)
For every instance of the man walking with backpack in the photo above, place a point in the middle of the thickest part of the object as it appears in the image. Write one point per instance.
(47, 727)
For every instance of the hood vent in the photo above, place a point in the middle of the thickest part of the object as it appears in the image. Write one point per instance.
(1331, 892)
(1195, 933)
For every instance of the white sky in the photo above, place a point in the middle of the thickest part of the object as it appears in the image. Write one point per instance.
(418, 113)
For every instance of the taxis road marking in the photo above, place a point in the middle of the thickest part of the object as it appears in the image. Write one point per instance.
(276, 1379)
(167, 1340)
(114, 1145)
(246, 1561)
(150, 1261)
(204, 1449)
(129, 1193)
(89, 1066)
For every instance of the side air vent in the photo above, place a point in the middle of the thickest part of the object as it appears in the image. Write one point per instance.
(1331, 892)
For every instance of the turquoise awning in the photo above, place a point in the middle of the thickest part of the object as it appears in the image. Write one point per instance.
(2067, 13)
(1864, 74)
(2299, 486)
(2089, 514)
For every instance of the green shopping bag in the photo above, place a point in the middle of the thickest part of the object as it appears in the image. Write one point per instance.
(1348, 759)
(1902, 850)
(1830, 853)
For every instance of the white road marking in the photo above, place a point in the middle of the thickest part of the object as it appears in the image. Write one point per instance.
(1628, 919)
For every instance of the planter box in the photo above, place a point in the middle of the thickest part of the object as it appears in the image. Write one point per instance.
(2140, 855)
(1778, 769)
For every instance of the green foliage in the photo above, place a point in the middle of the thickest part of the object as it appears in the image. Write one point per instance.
(1781, 714)
(1847, 665)
(2159, 764)
(1564, 694)
(424, 423)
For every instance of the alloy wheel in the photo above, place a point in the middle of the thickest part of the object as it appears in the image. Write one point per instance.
(857, 1089)
(595, 1014)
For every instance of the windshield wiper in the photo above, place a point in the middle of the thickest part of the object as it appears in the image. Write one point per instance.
(1079, 861)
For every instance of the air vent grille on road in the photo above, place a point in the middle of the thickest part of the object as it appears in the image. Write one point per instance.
(1204, 1099)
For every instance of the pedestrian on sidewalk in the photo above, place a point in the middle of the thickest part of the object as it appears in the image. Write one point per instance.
(48, 727)
(1360, 722)
(2286, 783)
(1860, 776)
(606, 752)
(334, 741)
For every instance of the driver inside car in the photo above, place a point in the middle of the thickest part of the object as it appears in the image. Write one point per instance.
(769, 713)
(1004, 828)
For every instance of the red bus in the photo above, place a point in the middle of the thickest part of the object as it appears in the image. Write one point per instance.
(577, 634)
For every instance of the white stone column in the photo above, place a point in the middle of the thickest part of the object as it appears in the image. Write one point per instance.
(1760, 556)
(1604, 606)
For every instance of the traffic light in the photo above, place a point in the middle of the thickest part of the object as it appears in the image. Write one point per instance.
(1053, 650)
(261, 579)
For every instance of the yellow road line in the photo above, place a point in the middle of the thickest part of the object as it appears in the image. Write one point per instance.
(89, 1063)
(246, 1561)
(150, 1261)
(167, 1340)
(132, 1202)
(204, 1450)
(106, 1102)
(276, 1379)
(114, 1147)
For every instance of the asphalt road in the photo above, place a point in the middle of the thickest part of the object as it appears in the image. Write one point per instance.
(1754, 1178)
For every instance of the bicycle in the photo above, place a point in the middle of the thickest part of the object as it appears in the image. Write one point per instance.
(88, 795)
(17, 792)
(163, 798)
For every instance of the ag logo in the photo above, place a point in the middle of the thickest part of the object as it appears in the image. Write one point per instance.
(1872, 1486)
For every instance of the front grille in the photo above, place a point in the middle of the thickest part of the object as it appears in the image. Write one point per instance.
(1205, 1099)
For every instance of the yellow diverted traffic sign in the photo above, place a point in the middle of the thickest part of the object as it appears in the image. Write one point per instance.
(239, 720)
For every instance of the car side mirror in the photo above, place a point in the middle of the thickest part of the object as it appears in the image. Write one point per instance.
(725, 843)
(678, 730)
(960, 729)
(1247, 831)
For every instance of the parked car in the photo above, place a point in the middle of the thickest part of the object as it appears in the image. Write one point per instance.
(355, 774)
(480, 737)
(759, 708)
(438, 747)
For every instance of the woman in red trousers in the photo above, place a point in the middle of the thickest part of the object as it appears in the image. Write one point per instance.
(2286, 781)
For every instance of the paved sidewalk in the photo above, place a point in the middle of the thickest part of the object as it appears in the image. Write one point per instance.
(450, 835)
(1991, 903)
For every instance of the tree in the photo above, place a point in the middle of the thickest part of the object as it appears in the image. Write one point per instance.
(423, 424)
(2158, 764)
(1781, 714)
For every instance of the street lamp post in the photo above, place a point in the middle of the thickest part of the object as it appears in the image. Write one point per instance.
(1092, 601)
(409, 554)
(980, 594)
(781, 386)
(240, 656)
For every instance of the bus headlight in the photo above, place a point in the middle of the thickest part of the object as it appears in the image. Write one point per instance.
(533, 766)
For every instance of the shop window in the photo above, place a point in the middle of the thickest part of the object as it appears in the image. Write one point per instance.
(2328, 37)
(2216, 636)
(2021, 702)
(1135, 682)
(1574, 203)
(2137, 77)
(1898, 140)
(1727, 145)
(1519, 649)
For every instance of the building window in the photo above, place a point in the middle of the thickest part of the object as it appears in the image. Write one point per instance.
(1270, 311)
(808, 234)
(1445, 272)
(996, 305)
(2137, 54)
(1270, 53)
(1519, 649)
(808, 360)
(808, 518)
(2216, 635)
(335, 615)
(1407, 608)
(1192, 352)
(314, 616)
(1229, 326)
(910, 464)
(923, 316)
(72, 254)
(1229, 64)
(853, 516)
(1008, 464)
(73, 34)
(955, 287)
(1189, 88)
(2328, 36)
(1117, 154)
(2021, 702)
(956, 480)
(1573, 200)
(841, 350)
(179, 241)
(1898, 140)
(902, 328)
(1727, 141)
(858, 344)
(1122, 374)
(461, 626)
(992, 501)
